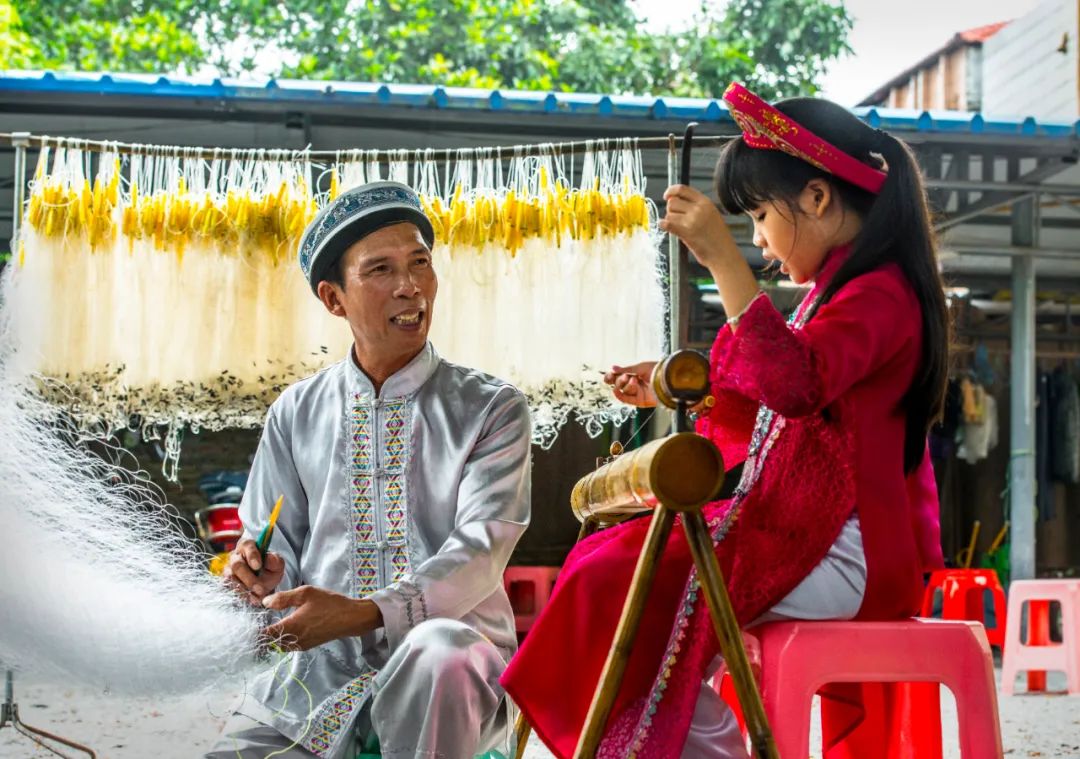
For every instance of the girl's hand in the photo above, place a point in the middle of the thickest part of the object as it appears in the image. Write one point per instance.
(695, 220)
(631, 384)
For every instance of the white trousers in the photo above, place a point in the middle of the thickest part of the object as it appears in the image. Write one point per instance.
(437, 696)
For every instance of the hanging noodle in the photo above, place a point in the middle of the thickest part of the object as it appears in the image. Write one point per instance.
(97, 586)
(174, 298)
(162, 289)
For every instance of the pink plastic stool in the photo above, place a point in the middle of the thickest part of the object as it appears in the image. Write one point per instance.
(962, 592)
(529, 589)
(799, 658)
(1037, 654)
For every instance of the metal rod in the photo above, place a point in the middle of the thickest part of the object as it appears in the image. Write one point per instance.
(615, 666)
(989, 334)
(20, 140)
(729, 634)
(557, 148)
(976, 185)
(1022, 396)
(1013, 250)
(9, 714)
(1061, 201)
(9, 698)
(671, 343)
(678, 253)
(979, 208)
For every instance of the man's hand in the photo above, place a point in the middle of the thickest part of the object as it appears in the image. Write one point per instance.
(319, 617)
(241, 567)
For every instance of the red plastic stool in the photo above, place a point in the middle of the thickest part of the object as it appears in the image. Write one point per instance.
(725, 686)
(899, 720)
(529, 589)
(799, 658)
(1038, 654)
(962, 592)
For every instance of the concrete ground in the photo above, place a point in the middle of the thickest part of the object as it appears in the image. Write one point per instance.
(1046, 726)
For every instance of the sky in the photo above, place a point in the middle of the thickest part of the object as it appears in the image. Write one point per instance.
(888, 36)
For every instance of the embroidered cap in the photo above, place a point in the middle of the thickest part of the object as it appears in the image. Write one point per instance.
(353, 215)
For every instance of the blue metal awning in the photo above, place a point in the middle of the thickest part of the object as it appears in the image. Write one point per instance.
(434, 97)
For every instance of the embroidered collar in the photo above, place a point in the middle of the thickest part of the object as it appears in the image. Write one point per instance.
(833, 259)
(405, 381)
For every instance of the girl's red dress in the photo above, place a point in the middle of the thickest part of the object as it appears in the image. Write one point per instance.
(829, 441)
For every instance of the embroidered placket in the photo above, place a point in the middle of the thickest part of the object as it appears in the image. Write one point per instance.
(367, 574)
(393, 486)
(380, 445)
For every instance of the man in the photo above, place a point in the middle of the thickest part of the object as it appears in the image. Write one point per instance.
(406, 486)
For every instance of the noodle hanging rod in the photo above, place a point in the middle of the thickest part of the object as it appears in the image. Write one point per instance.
(280, 154)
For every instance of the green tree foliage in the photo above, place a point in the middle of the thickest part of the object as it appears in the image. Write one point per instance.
(17, 50)
(114, 35)
(778, 46)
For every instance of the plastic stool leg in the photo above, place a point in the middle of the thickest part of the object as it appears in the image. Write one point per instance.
(1038, 635)
(902, 721)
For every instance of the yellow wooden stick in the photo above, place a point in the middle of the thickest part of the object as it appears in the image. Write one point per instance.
(276, 511)
(999, 538)
(263, 541)
(969, 553)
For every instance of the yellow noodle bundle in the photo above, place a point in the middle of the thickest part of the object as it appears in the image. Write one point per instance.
(176, 299)
(271, 222)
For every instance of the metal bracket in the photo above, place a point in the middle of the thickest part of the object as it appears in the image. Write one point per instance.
(9, 715)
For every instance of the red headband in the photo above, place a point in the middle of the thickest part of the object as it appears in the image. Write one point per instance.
(767, 128)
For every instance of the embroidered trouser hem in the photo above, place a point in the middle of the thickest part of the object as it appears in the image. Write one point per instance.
(437, 697)
(246, 738)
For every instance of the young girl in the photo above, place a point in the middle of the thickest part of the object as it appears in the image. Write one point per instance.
(835, 516)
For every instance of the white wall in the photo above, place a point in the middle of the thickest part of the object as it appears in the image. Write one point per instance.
(1024, 75)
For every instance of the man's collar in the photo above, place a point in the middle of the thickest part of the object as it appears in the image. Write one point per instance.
(405, 381)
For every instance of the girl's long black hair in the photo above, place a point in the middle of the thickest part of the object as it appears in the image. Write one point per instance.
(895, 228)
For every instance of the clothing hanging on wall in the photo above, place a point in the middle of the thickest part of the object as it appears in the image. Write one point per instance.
(978, 431)
(980, 436)
(1065, 427)
(943, 434)
(972, 394)
(1043, 492)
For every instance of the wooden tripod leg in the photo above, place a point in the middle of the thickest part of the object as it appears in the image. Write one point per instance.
(729, 634)
(522, 729)
(611, 677)
(588, 527)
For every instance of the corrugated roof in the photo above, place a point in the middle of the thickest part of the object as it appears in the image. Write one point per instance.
(299, 92)
(970, 37)
(982, 33)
